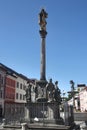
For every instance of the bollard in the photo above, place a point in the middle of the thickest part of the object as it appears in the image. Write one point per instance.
(23, 126)
(3, 121)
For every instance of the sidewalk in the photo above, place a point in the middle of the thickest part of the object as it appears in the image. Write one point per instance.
(83, 124)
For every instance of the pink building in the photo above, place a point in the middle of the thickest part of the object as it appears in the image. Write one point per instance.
(80, 98)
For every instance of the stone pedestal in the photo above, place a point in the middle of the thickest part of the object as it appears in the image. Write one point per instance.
(68, 114)
(45, 112)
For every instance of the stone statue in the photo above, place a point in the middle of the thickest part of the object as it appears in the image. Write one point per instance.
(56, 84)
(57, 93)
(72, 85)
(28, 92)
(50, 90)
(42, 19)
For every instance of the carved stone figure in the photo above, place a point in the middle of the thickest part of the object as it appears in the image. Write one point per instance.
(56, 84)
(28, 92)
(57, 93)
(42, 20)
(72, 85)
(50, 90)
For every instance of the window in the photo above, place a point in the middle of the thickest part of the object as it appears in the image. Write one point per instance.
(0, 94)
(1, 79)
(23, 97)
(17, 84)
(24, 87)
(21, 86)
(16, 95)
(20, 96)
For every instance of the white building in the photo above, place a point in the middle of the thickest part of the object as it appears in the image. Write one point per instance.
(20, 91)
(83, 100)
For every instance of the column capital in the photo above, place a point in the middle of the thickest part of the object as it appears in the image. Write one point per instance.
(43, 33)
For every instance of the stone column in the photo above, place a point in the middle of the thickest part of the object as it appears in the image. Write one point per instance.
(42, 22)
(43, 56)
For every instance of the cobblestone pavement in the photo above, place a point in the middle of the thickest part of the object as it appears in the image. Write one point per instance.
(1, 128)
(83, 126)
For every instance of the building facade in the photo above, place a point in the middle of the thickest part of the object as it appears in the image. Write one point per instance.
(83, 100)
(12, 91)
(2, 89)
(80, 98)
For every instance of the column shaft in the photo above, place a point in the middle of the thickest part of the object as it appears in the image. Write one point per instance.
(43, 60)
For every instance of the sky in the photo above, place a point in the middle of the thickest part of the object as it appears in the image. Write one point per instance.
(66, 41)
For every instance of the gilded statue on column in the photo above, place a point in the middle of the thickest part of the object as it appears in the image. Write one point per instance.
(42, 19)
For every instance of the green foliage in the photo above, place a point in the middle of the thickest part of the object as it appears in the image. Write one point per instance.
(69, 97)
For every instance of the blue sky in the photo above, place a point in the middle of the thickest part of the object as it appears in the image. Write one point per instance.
(66, 41)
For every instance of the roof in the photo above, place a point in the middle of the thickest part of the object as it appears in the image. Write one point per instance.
(81, 85)
(13, 72)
